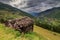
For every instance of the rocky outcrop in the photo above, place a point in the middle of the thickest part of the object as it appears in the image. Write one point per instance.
(24, 24)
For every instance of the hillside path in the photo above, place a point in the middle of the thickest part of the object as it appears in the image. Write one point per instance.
(46, 33)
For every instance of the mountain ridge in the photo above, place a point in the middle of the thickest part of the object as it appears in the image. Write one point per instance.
(13, 9)
(51, 13)
(8, 12)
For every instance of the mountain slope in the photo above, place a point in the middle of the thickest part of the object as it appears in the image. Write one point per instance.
(6, 7)
(51, 13)
(9, 12)
(49, 19)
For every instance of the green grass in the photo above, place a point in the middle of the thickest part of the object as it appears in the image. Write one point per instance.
(34, 36)
(46, 33)
(11, 34)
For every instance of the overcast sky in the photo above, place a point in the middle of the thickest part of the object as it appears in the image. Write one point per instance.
(33, 5)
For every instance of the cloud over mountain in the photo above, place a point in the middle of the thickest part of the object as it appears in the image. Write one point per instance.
(33, 5)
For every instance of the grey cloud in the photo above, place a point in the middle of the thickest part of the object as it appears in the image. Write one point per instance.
(5, 1)
(34, 5)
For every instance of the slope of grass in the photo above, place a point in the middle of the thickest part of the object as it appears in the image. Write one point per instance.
(11, 34)
(46, 33)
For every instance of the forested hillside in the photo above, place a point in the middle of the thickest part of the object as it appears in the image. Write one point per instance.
(50, 19)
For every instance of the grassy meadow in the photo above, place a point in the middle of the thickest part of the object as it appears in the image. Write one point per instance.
(11, 34)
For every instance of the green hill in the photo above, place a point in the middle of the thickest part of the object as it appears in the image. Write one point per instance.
(50, 19)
